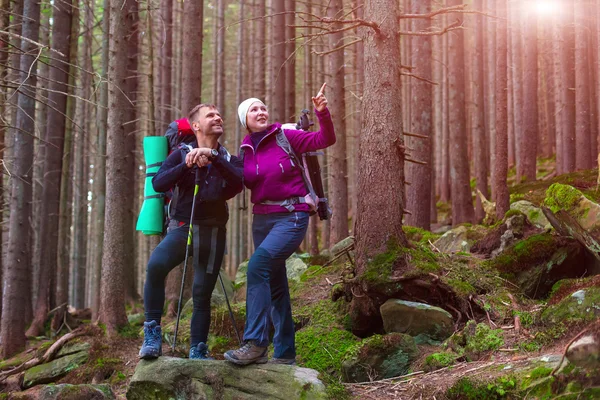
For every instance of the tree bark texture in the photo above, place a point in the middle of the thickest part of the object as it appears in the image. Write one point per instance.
(583, 136)
(219, 71)
(114, 258)
(462, 202)
(191, 73)
(477, 107)
(290, 64)
(490, 83)
(54, 143)
(526, 166)
(16, 291)
(277, 105)
(516, 79)
(500, 187)
(166, 63)
(567, 92)
(337, 154)
(418, 194)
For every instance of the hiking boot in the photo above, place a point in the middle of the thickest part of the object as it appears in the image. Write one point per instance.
(152, 346)
(200, 352)
(283, 361)
(247, 354)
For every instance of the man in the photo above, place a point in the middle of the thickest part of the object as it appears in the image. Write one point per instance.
(220, 178)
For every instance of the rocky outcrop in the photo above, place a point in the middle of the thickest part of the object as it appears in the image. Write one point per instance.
(416, 319)
(175, 378)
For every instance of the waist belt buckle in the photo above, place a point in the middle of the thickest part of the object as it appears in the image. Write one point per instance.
(288, 204)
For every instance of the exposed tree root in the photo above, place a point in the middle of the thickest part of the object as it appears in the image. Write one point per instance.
(50, 354)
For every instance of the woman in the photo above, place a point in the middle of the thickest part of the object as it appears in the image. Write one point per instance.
(279, 226)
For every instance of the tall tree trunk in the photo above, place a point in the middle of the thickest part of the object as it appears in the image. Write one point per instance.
(4, 22)
(526, 166)
(379, 219)
(290, 65)
(80, 187)
(192, 55)
(501, 159)
(260, 87)
(54, 138)
(557, 48)
(16, 289)
(277, 105)
(64, 267)
(445, 142)
(582, 96)
(477, 108)
(114, 259)
(99, 199)
(567, 93)
(418, 198)
(166, 66)
(219, 71)
(338, 170)
(462, 202)
(516, 68)
(489, 84)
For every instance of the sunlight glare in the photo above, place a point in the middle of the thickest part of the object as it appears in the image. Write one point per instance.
(546, 7)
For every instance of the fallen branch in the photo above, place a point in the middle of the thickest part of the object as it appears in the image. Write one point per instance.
(51, 352)
(517, 317)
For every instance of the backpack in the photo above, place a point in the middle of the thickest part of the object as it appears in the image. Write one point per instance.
(309, 168)
(179, 134)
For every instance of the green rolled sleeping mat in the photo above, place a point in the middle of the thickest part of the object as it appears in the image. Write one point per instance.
(150, 220)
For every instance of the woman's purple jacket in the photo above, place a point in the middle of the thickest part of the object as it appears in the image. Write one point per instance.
(268, 170)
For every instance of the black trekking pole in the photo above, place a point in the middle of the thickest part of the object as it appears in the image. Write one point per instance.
(237, 332)
(187, 250)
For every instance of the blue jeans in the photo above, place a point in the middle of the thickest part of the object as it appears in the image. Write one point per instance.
(276, 237)
(169, 253)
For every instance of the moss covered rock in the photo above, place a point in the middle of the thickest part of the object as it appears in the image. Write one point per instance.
(454, 240)
(379, 357)
(54, 370)
(76, 392)
(581, 306)
(416, 319)
(173, 378)
(534, 214)
(585, 352)
(565, 197)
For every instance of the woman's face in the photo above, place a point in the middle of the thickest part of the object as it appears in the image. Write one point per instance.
(257, 118)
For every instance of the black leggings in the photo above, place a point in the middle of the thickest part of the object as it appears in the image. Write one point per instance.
(169, 254)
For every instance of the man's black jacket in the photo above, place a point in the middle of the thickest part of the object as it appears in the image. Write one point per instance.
(220, 181)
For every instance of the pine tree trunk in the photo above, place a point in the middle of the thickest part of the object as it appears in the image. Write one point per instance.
(462, 202)
(4, 22)
(54, 139)
(64, 267)
(16, 286)
(219, 71)
(558, 88)
(114, 258)
(418, 194)
(582, 97)
(99, 189)
(445, 142)
(501, 158)
(489, 84)
(516, 68)
(381, 156)
(260, 87)
(477, 108)
(290, 65)
(277, 106)
(166, 66)
(526, 166)
(567, 93)
(337, 154)
(80, 190)
(191, 80)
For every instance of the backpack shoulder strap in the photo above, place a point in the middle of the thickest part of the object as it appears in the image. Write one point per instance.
(284, 143)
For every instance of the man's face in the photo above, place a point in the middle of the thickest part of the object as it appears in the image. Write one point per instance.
(209, 122)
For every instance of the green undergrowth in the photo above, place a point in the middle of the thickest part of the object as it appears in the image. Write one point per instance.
(469, 389)
(322, 342)
(439, 360)
(524, 253)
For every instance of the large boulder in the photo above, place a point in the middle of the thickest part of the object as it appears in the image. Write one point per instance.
(54, 370)
(534, 214)
(379, 357)
(175, 378)
(585, 351)
(416, 319)
(565, 197)
(76, 392)
(295, 267)
(454, 240)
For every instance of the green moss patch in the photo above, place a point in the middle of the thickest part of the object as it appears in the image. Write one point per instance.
(562, 197)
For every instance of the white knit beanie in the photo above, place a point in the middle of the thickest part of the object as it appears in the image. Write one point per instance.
(243, 109)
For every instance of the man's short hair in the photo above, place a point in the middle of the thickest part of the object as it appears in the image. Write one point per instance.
(194, 112)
